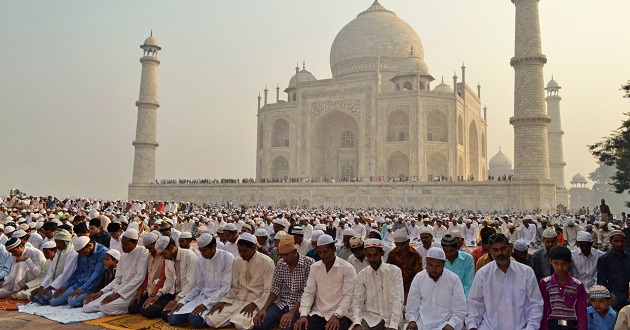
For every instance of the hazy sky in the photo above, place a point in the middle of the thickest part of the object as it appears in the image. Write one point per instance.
(70, 76)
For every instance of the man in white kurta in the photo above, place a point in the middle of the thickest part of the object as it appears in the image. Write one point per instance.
(251, 284)
(49, 250)
(114, 299)
(436, 298)
(28, 263)
(61, 268)
(378, 292)
(213, 277)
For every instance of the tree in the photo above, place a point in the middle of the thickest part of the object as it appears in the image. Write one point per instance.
(615, 151)
(602, 178)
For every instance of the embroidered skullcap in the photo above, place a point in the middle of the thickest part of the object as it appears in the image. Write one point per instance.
(287, 244)
(436, 253)
(279, 235)
(148, 239)
(261, 232)
(316, 234)
(356, 242)
(162, 243)
(185, 234)
(549, 233)
(449, 240)
(114, 253)
(584, 236)
(247, 237)
(80, 242)
(297, 230)
(426, 230)
(12, 243)
(497, 238)
(278, 222)
(612, 233)
(324, 240)
(373, 243)
(598, 291)
(400, 235)
(248, 227)
(320, 226)
(520, 245)
(131, 233)
(349, 232)
(62, 235)
(49, 245)
(204, 240)
(19, 233)
(229, 227)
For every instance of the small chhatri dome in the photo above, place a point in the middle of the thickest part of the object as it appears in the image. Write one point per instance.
(578, 178)
(412, 65)
(500, 160)
(302, 75)
(552, 84)
(150, 41)
(444, 88)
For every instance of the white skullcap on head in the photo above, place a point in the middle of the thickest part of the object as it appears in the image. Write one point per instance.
(229, 227)
(49, 245)
(248, 237)
(584, 236)
(436, 253)
(278, 222)
(204, 240)
(426, 230)
(324, 240)
(549, 233)
(520, 245)
(401, 235)
(80, 242)
(320, 226)
(114, 253)
(23, 226)
(468, 221)
(162, 243)
(316, 234)
(185, 234)
(261, 232)
(19, 233)
(349, 232)
(149, 238)
(279, 235)
(9, 229)
(157, 222)
(570, 222)
(39, 225)
(131, 233)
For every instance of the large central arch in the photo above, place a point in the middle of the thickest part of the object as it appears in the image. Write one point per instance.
(473, 150)
(335, 141)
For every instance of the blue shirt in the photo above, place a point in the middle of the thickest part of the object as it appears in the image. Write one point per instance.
(464, 268)
(613, 272)
(596, 322)
(89, 272)
(6, 262)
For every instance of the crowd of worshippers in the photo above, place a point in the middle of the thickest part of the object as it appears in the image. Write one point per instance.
(265, 268)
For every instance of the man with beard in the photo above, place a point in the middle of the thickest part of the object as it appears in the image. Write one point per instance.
(542, 267)
(378, 293)
(431, 291)
(504, 294)
(585, 260)
(612, 270)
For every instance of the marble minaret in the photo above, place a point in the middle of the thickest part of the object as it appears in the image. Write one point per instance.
(530, 120)
(555, 133)
(145, 143)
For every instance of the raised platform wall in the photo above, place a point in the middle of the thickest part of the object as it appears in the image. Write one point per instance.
(473, 196)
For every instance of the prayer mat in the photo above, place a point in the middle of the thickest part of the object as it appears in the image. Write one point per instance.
(11, 304)
(139, 322)
(62, 314)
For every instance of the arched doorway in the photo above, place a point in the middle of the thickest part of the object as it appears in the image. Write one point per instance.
(280, 136)
(334, 144)
(280, 168)
(473, 150)
(398, 165)
(437, 165)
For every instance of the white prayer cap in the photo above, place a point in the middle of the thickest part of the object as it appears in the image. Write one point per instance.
(528, 217)
(570, 222)
(549, 233)
(584, 236)
(39, 225)
(520, 245)
(436, 253)
(279, 235)
(401, 216)
(8, 219)
(324, 240)
(33, 225)
(131, 233)
(229, 227)
(400, 235)
(114, 253)
(468, 221)
(162, 243)
(185, 234)
(23, 227)
(49, 245)
(457, 233)
(425, 230)
(582, 216)
(316, 234)
(148, 239)
(248, 237)
(320, 226)
(261, 232)
(94, 213)
(349, 232)
(157, 222)
(19, 233)
(278, 222)
(124, 220)
(80, 242)
(204, 240)
(373, 243)
(297, 230)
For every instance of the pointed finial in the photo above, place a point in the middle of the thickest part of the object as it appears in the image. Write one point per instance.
(499, 148)
(297, 66)
(551, 77)
(463, 66)
(303, 65)
(442, 78)
(411, 50)
(152, 32)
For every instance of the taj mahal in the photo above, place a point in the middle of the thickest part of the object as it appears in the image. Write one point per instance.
(384, 132)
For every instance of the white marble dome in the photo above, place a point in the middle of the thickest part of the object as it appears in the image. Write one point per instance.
(578, 178)
(500, 159)
(444, 88)
(303, 76)
(412, 65)
(375, 32)
(150, 41)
